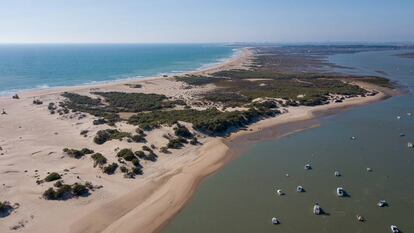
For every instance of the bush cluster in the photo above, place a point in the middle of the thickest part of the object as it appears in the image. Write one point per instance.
(99, 159)
(182, 131)
(176, 143)
(103, 136)
(110, 169)
(210, 121)
(52, 177)
(126, 154)
(65, 191)
(77, 153)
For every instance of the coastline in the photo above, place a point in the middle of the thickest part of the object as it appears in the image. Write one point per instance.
(168, 184)
(239, 56)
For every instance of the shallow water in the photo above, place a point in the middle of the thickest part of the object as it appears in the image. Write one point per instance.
(42, 66)
(241, 197)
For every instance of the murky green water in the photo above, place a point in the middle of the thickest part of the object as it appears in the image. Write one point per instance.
(241, 197)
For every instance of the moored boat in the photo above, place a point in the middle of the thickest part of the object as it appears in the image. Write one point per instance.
(280, 192)
(394, 229)
(360, 218)
(300, 189)
(317, 209)
(340, 192)
(308, 167)
(275, 221)
(382, 203)
(337, 173)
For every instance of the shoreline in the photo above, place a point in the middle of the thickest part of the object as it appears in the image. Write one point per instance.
(238, 55)
(166, 187)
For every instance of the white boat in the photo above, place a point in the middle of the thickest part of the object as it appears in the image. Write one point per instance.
(340, 192)
(275, 221)
(280, 192)
(353, 138)
(410, 145)
(382, 203)
(394, 229)
(317, 209)
(369, 169)
(398, 117)
(409, 114)
(308, 167)
(337, 173)
(300, 189)
(360, 218)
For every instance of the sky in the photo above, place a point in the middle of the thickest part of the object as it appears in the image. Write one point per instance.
(202, 21)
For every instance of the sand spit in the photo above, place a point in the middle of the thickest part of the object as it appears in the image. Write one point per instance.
(31, 142)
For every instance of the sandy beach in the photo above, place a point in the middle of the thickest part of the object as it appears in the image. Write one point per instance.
(32, 140)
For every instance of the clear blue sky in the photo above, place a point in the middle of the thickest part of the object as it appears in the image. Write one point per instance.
(157, 21)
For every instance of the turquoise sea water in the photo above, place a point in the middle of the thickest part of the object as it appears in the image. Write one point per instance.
(241, 198)
(42, 66)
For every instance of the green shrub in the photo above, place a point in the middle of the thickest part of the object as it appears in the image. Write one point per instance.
(75, 153)
(126, 154)
(99, 159)
(137, 170)
(79, 190)
(182, 131)
(136, 162)
(64, 192)
(87, 151)
(110, 169)
(138, 138)
(50, 194)
(123, 169)
(103, 136)
(176, 143)
(52, 177)
(140, 154)
(151, 156)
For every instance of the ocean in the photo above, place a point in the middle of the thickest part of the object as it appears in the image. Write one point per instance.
(37, 66)
(242, 197)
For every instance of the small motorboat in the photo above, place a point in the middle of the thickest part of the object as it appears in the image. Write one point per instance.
(409, 114)
(398, 117)
(353, 138)
(300, 189)
(317, 209)
(337, 173)
(308, 167)
(369, 169)
(382, 203)
(340, 192)
(410, 145)
(360, 218)
(275, 221)
(280, 192)
(394, 229)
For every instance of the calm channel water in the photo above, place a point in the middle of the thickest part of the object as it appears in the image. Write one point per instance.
(241, 197)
